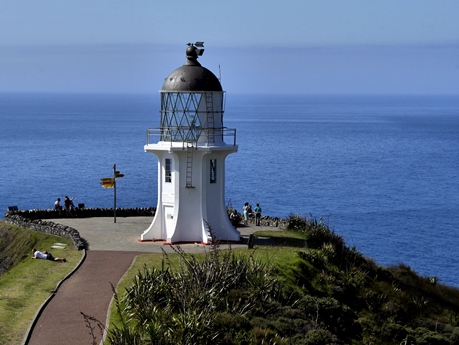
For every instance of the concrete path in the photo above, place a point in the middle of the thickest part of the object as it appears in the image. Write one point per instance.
(112, 248)
(89, 291)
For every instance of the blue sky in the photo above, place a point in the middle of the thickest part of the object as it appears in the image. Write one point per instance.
(289, 46)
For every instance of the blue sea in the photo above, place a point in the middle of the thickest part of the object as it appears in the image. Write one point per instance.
(382, 171)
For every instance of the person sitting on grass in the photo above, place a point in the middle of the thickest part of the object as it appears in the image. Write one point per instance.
(45, 255)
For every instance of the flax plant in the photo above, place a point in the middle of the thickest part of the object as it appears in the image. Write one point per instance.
(180, 305)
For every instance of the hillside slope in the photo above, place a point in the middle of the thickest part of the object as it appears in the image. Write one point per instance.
(313, 290)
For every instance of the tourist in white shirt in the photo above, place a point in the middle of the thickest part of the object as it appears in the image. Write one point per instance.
(45, 255)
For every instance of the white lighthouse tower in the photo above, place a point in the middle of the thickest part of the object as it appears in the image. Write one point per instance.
(191, 145)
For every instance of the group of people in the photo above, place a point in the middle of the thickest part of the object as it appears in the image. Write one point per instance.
(246, 212)
(69, 207)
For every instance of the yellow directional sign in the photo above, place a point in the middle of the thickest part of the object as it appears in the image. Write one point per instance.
(107, 182)
(107, 179)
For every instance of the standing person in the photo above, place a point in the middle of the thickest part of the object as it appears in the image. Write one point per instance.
(68, 205)
(57, 205)
(246, 213)
(46, 256)
(72, 205)
(257, 211)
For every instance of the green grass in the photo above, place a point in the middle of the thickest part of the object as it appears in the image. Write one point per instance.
(25, 286)
(281, 254)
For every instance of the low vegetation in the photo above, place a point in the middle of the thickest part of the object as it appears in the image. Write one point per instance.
(310, 289)
(24, 283)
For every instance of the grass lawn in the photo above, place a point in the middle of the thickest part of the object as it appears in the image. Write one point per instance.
(25, 287)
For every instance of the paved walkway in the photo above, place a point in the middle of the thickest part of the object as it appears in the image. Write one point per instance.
(105, 234)
(112, 248)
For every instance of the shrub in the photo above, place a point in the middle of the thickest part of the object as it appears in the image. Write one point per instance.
(426, 337)
(296, 222)
(319, 337)
(199, 302)
(327, 313)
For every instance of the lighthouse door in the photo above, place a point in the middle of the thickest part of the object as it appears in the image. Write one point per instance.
(169, 221)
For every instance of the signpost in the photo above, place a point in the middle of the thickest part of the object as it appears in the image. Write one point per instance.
(110, 182)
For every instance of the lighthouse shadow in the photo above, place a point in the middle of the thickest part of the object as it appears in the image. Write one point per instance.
(259, 241)
(274, 242)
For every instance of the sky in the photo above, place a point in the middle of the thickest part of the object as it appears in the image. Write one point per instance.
(269, 46)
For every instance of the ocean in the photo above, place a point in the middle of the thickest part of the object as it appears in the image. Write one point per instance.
(381, 171)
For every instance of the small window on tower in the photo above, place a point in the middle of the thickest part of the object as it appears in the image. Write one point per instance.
(168, 175)
(213, 171)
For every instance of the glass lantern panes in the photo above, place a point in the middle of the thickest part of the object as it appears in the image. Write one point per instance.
(179, 116)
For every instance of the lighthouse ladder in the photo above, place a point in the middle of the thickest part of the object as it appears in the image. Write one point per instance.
(189, 164)
(210, 118)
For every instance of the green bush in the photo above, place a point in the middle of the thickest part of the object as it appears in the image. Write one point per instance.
(319, 337)
(394, 332)
(192, 304)
(327, 313)
(296, 222)
(234, 328)
(426, 337)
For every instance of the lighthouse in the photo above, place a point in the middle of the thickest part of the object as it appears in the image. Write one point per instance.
(191, 145)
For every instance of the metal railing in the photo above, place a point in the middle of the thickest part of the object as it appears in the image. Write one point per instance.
(182, 135)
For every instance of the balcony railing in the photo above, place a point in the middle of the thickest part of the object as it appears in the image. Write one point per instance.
(184, 135)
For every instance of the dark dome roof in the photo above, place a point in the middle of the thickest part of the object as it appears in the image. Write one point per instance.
(192, 76)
